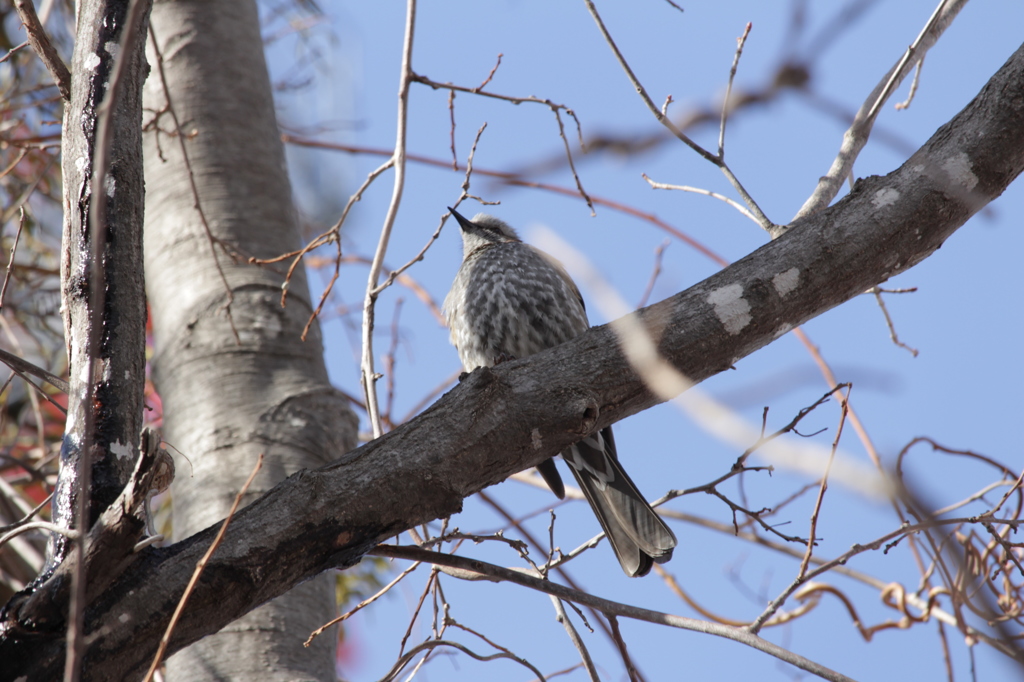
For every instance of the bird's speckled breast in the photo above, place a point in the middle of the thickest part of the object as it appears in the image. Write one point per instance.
(508, 301)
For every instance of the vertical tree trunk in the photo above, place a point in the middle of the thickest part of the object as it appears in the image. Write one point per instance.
(119, 375)
(235, 379)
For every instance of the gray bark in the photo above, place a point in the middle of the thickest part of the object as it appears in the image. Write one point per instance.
(504, 419)
(120, 373)
(227, 399)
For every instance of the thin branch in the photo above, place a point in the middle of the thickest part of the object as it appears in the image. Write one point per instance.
(200, 565)
(762, 220)
(38, 389)
(514, 180)
(556, 109)
(40, 525)
(574, 637)
(13, 51)
(857, 134)
(557, 565)
(434, 643)
(29, 189)
(491, 74)
(824, 487)
(697, 190)
(659, 253)
(606, 606)
(887, 540)
(437, 233)
(368, 375)
(361, 605)
(451, 134)
(332, 235)
(38, 508)
(22, 367)
(44, 48)
(905, 104)
(740, 42)
(10, 262)
(877, 291)
(634, 674)
(390, 360)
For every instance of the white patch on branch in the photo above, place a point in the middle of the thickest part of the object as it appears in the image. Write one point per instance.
(884, 197)
(535, 440)
(91, 61)
(121, 451)
(785, 282)
(960, 170)
(731, 309)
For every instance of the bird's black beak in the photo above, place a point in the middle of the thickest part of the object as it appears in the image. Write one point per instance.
(465, 223)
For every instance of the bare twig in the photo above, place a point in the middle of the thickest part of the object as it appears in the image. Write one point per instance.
(361, 605)
(877, 291)
(491, 74)
(905, 104)
(811, 538)
(368, 375)
(556, 109)
(22, 367)
(44, 48)
(740, 42)
(390, 360)
(199, 570)
(332, 235)
(762, 220)
(607, 606)
(434, 643)
(659, 252)
(404, 279)
(557, 565)
(38, 389)
(857, 134)
(697, 190)
(634, 674)
(10, 262)
(13, 51)
(514, 180)
(28, 190)
(451, 133)
(38, 508)
(39, 525)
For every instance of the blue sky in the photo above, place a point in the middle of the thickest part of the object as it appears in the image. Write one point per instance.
(961, 390)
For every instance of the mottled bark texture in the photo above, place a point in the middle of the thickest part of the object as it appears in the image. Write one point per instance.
(121, 357)
(501, 420)
(235, 379)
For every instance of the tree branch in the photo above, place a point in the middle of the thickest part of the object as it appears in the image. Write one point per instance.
(44, 48)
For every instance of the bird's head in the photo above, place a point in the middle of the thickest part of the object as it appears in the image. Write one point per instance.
(483, 230)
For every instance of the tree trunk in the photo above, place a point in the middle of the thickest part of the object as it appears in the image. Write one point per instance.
(234, 377)
(120, 374)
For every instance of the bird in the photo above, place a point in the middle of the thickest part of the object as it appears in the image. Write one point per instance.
(510, 300)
